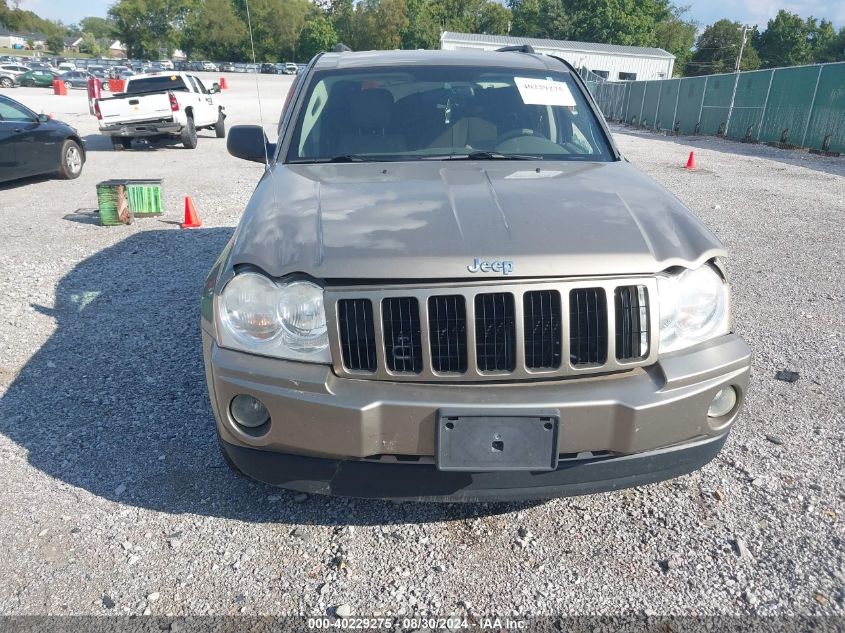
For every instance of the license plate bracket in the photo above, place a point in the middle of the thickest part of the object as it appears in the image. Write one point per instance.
(480, 441)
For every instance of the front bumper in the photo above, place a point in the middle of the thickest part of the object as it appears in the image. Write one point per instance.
(619, 430)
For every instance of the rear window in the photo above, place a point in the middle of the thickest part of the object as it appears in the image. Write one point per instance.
(156, 84)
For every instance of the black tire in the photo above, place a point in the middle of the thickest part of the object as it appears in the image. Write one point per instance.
(71, 160)
(69, 85)
(220, 126)
(189, 134)
(121, 143)
(6, 82)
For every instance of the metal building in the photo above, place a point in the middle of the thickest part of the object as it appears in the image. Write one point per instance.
(610, 61)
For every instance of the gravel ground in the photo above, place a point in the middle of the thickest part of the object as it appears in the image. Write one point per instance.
(115, 500)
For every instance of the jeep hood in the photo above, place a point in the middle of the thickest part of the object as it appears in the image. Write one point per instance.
(431, 220)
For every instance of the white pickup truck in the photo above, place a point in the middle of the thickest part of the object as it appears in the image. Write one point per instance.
(159, 105)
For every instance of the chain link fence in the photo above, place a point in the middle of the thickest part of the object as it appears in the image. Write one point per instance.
(800, 106)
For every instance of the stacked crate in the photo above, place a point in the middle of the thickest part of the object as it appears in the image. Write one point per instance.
(121, 201)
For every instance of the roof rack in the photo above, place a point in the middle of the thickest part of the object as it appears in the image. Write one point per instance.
(522, 48)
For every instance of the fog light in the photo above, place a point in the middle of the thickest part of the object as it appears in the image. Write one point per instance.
(248, 411)
(723, 403)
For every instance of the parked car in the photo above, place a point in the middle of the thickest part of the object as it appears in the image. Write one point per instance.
(240, 68)
(15, 69)
(209, 67)
(253, 68)
(300, 68)
(228, 67)
(166, 64)
(450, 285)
(32, 144)
(75, 79)
(8, 80)
(66, 66)
(157, 106)
(38, 78)
(290, 68)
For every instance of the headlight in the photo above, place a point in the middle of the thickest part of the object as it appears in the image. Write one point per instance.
(694, 307)
(281, 320)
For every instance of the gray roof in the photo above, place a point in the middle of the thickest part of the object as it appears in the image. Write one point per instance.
(369, 59)
(34, 36)
(581, 47)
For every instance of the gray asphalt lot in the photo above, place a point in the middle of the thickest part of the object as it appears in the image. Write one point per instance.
(115, 500)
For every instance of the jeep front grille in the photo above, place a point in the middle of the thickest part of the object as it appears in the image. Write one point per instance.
(492, 331)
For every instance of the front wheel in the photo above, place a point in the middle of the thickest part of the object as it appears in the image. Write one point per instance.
(220, 126)
(121, 143)
(6, 82)
(68, 85)
(71, 161)
(189, 134)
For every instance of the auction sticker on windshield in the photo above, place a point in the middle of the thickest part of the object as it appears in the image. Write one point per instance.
(544, 92)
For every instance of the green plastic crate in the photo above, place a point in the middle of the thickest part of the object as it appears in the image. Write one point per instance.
(113, 203)
(121, 201)
(145, 197)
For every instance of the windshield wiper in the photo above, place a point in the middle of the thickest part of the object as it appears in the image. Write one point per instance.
(485, 155)
(342, 158)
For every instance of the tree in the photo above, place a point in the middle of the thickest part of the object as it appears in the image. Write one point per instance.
(214, 31)
(379, 24)
(717, 50)
(276, 25)
(834, 51)
(495, 19)
(423, 30)
(786, 41)
(317, 36)
(90, 45)
(147, 27)
(100, 28)
(677, 37)
(627, 22)
(56, 44)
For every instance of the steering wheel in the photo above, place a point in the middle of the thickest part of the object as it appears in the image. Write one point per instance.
(517, 133)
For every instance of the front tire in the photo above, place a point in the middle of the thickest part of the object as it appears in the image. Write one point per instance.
(69, 85)
(5, 82)
(189, 134)
(220, 126)
(121, 144)
(71, 160)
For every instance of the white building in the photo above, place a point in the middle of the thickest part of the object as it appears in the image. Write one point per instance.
(611, 61)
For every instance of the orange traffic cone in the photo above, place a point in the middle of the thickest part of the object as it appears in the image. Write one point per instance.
(223, 84)
(192, 220)
(690, 161)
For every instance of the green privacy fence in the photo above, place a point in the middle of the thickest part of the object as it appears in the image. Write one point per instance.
(801, 106)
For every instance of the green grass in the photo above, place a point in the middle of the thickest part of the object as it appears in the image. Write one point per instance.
(20, 53)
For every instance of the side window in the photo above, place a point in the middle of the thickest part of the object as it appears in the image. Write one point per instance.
(313, 110)
(193, 83)
(10, 112)
(200, 85)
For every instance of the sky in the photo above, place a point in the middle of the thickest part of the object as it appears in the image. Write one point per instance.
(703, 11)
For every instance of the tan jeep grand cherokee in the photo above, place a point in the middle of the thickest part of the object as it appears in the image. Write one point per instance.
(449, 285)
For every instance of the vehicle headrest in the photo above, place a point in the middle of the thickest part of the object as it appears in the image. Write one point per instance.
(372, 108)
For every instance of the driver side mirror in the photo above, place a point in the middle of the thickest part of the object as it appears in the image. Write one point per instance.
(250, 143)
(44, 118)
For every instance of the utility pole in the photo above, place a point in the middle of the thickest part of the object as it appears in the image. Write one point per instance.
(745, 28)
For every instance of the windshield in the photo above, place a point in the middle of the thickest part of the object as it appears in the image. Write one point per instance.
(156, 84)
(424, 113)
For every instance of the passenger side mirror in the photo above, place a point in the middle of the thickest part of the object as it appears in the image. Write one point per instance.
(43, 118)
(250, 143)
(215, 88)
